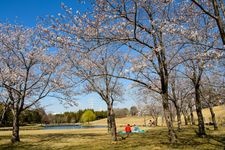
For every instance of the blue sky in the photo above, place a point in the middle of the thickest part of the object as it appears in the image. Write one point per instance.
(26, 12)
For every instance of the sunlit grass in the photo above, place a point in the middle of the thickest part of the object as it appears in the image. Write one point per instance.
(219, 111)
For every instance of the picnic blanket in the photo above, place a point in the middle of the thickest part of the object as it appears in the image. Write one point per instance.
(138, 131)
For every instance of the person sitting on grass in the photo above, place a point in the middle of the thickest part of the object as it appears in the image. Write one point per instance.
(128, 129)
(136, 128)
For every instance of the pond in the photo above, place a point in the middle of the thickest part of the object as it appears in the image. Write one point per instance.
(59, 127)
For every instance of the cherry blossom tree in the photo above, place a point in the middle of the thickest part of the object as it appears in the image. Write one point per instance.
(211, 94)
(90, 63)
(194, 71)
(156, 35)
(149, 103)
(180, 90)
(29, 72)
(191, 108)
(107, 87)
(139, 26)
(215, 9)
(201, 48)
(154, 109)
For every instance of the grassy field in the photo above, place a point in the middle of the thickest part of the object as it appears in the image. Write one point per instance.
(219, 110)
(154, 138)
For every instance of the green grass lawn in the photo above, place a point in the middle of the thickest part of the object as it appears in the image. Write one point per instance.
(98, 139)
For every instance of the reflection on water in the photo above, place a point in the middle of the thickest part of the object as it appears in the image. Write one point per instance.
(53, 127)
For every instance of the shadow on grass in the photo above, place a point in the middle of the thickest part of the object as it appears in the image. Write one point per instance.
(157, 138)
(59, 137)
(188, 139)
(45, 141)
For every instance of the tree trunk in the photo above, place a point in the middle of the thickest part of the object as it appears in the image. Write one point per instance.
(2, 117)
(109, 124)
(171, 133)
(185, 119)
(164, 77)
(156, 121)
(192, 116)
(213, 117)
(178, 119)
(15, 132)
(201, 125)
(112, 123)
(178, 116)
(113, 130)
(219, 20)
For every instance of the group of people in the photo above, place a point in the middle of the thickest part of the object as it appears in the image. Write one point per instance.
(129, 129)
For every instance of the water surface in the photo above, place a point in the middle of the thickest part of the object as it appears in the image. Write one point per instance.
(59, 127)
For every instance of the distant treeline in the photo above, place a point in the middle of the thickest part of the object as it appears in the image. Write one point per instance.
(39, 116)
(72, 117)
(34, 116)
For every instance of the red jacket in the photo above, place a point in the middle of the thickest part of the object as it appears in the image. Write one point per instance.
(128, 128)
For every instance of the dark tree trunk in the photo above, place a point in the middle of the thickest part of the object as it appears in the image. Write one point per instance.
(185, 119)
(192, 116)
(156, 121)
(162, 120)
(213, 117)
(113, 130)
(178, 120)
(2, 117)
(217, 16)
(171, 133)
(201, 125)
(164, 77)
(4, 113)
(15, 132)
(164, 93)
(109, 124)
(219, 20)
(112, 123)
(178, 116)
